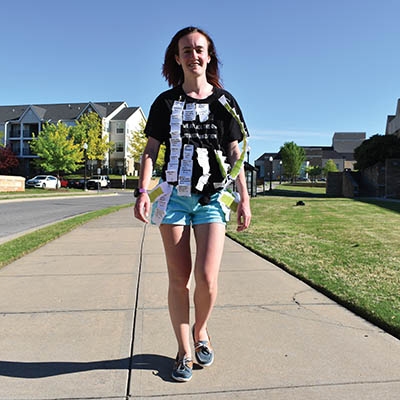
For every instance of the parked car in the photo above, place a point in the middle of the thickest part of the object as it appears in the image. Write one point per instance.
(76, 183)
(63, 182)
(44, 182)
(98, 182)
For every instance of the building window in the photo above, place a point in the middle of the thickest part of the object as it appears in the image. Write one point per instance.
(120, 130)
(30, 130)
(15, 147)
(119, 147)
(26, 148)
(15, 131)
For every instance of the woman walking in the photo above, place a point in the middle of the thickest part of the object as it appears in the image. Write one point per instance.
(202, 149)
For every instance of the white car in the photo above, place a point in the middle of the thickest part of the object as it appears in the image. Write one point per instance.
(98, 182)
(44, 182)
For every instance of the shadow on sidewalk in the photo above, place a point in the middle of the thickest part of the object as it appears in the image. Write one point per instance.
(160, 365)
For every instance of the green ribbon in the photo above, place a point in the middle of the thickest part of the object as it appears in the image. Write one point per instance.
(234, 172)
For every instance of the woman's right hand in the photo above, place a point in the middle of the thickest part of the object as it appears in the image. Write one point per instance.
(142, 208)
(143, 203)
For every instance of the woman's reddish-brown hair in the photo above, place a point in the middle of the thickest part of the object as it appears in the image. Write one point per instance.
(173, 72)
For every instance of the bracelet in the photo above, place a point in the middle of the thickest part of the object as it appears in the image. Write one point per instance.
(139, 191)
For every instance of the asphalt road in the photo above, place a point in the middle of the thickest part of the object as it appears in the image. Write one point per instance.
(18, 217)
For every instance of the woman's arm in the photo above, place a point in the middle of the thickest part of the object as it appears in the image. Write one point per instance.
(243, 211)
(142, 206)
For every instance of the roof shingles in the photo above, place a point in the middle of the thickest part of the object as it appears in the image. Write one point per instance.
(57, 112)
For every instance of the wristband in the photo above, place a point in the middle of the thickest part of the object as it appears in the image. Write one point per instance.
(139, 191)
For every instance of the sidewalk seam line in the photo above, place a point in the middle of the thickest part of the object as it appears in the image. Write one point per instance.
(272, 388)
(135, 311)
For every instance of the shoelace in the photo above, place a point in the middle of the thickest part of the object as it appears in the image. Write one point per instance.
(202, 346)
(182, 363)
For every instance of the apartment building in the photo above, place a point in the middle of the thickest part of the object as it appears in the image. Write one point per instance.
(19, 124)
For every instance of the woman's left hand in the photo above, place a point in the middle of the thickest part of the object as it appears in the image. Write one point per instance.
(243, 215)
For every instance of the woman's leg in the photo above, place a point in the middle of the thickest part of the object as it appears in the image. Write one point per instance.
(176, 239)
(210, 244)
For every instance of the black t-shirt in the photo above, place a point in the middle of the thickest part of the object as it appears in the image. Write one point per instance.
(214, 133)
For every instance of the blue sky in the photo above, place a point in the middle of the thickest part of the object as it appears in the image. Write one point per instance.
(300, 69)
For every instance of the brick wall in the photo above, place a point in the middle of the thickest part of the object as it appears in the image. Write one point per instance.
(392, 178)
(334, 183)
(380, 180)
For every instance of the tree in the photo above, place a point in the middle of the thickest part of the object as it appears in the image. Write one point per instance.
(56, 149)
(293, 157)
(376, 149)
(8, 160)
(330, 166)
(314, 171)
(138, 143)
(89, 130)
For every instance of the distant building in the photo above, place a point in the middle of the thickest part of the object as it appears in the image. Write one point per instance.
(20, 123)
(393, 122)
(341, 152)
(266, 166)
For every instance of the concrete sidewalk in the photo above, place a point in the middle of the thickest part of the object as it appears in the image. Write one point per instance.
(85, 317)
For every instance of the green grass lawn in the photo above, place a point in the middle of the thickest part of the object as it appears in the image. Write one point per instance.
(346, 248)
(34, 192)
(37, 192)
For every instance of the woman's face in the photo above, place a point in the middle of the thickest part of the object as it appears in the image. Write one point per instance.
(193, 54)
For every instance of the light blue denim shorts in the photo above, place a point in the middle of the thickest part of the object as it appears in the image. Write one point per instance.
(182, 210)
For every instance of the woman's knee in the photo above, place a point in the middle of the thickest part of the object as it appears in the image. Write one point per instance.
(179, 282)
(206, 281)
